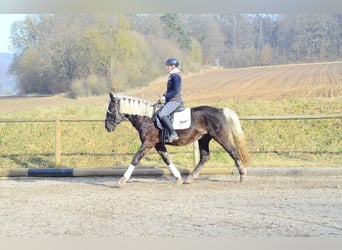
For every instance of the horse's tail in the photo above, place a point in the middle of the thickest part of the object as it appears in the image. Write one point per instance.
(235, 134)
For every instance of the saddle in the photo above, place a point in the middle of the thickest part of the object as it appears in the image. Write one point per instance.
(180, 118)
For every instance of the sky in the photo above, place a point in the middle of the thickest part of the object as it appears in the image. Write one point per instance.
(6, 21)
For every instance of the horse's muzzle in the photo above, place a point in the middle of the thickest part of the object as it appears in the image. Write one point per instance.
(110, 127)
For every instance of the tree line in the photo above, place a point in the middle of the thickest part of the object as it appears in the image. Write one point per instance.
(83, 54)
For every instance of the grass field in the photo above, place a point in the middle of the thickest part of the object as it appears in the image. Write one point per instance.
(264, 91)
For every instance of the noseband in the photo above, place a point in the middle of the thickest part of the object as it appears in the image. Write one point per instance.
(117, 116)
(114, 120)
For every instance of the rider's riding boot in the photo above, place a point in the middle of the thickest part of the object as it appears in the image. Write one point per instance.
(168, 125)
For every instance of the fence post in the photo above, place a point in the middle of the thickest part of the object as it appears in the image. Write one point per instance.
(58, 144)
(196, 152)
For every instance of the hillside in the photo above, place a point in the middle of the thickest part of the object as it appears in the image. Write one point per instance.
(267, 83)
(279, 90)
(212, 86)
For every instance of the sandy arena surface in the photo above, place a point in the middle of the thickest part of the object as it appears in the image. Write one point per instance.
(147, 206)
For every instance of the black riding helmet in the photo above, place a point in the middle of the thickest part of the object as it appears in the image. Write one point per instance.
(171, 61)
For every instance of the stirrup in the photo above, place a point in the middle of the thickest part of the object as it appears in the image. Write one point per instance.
(172, 137)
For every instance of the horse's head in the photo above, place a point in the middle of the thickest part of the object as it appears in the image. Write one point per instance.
(113, 116)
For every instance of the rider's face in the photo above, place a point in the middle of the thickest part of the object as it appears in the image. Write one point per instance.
(169, 67)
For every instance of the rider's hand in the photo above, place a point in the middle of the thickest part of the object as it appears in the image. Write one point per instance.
(162, 99)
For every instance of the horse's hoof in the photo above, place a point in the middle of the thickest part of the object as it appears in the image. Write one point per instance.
(122, 182)
(188, 181)
(179, 181)
(242, 178)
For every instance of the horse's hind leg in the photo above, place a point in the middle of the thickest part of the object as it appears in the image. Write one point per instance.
(204, 157)
(233, 152)
(161, 149)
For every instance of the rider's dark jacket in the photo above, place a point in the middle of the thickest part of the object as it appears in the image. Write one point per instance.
(174, 86)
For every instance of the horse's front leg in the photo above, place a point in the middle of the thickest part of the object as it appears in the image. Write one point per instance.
(161, 149)
(204, 157)
(144, 148)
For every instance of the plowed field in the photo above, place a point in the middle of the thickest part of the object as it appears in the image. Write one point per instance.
(214, 85)
(273, 82)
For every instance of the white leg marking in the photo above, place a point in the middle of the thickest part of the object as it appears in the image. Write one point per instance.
(174, 170)
(129, 172)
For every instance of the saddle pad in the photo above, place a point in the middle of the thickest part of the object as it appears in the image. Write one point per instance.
(182, 120)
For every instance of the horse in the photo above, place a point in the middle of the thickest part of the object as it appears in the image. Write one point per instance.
(207, 123)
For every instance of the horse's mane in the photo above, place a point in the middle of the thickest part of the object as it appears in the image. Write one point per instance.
(135, 106)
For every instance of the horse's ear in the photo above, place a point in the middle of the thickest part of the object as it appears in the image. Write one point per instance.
(111, 96)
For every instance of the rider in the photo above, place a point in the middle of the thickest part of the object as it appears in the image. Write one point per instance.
(172, 97)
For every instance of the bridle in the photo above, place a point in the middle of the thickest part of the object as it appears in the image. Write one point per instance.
(116, 114)
(110, 112)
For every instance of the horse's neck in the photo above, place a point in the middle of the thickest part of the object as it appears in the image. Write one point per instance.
(138, 121)
(134, 106)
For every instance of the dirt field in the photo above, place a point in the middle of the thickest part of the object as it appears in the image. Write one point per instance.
(214, 85)
(267, 83)
(211, 206)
